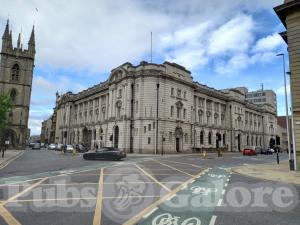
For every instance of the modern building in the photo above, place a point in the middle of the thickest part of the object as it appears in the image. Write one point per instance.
(155, 108)
(289, 14)
(16, 70)
(261, 97)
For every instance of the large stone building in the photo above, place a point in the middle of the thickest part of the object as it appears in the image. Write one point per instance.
(289, 14)
(16, 69)
(152, 108)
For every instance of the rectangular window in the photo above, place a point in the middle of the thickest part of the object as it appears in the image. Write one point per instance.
(145, 129)
(178, 93)
(172, 111)
(149, 140)
(184, 94)
(184, 113)
(149, 127)
(172, 91)
(136, 107)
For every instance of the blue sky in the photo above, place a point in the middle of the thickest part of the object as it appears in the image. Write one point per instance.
(224, 43)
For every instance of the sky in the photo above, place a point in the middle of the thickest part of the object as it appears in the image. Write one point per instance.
(223, 43)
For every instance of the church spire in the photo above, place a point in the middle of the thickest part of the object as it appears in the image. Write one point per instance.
(19, 41)
(31, 43)
(6, 31)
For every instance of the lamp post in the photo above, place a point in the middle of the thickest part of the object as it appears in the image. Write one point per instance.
(286, 106)
(293, 131)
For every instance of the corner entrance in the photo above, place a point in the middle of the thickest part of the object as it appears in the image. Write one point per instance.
(178, 138)
(116, 137)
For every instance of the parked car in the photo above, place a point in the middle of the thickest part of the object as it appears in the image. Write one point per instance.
(266, 152)
(249, 151)
(258, 150)
(81, 148)
(69, 148)
(59, 147)
(105, 153)
(36, 146)
(52, 147)
(31, 144)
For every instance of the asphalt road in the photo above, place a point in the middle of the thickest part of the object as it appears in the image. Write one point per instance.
(47, 188)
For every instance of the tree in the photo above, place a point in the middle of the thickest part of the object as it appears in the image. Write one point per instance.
(5, 107)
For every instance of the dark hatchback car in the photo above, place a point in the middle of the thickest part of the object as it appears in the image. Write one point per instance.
(81, 148)
(109, 153)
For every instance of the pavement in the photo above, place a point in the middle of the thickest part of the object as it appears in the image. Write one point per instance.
(43, 187)
(273, 172)
(9, 156)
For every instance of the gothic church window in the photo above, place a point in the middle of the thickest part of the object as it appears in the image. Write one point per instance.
(15, 73)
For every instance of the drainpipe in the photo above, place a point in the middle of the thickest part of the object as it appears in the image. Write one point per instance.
(231, 128)
(157, 111)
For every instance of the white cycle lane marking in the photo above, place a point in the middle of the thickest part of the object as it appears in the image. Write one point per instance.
(194, 204)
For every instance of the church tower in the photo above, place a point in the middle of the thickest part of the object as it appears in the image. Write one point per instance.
(16, 71)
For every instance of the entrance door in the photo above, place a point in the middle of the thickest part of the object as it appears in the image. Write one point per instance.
(177, 144)
(239, 142)
(116, 137)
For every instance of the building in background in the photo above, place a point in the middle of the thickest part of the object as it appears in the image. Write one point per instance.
(261, 97)
(16, 70)
(46, 131)
(282, 131)
(154, 108)
(289, 14)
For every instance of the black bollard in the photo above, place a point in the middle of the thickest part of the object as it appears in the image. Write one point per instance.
(277, 158)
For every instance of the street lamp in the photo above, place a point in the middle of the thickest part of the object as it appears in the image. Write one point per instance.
(293, 131)
(286, 105)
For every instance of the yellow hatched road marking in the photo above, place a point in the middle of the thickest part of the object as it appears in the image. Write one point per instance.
(98, 209)
(25, 190)
(5, 214)
(8, 217)
(175, 169)
(190, 164)
(153, 178)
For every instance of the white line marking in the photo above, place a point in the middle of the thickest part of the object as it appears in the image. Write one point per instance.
(213, 220)
(220, 202)
(172, 196)
(184, 187)
(223, 192)
(149, 213)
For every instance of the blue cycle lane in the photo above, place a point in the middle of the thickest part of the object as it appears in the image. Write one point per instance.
(194, 204)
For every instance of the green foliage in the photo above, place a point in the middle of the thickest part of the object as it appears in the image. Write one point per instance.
(5, 107)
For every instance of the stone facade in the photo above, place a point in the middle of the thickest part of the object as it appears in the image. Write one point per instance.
(289, 14)
(46, 131)
(16, 69)
(152, 108)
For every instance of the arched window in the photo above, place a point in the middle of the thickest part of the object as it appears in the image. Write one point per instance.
(201, 137)
(15, 72)
(13, 95)
(209, 138)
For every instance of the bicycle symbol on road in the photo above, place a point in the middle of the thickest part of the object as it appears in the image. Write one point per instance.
(203, 190)
(218, 176)
(169, 219)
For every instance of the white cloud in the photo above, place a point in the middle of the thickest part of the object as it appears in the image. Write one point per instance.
(281, 91)
(268, 43)
(234, 36)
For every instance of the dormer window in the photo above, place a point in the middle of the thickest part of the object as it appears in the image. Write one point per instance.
(15, 73)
